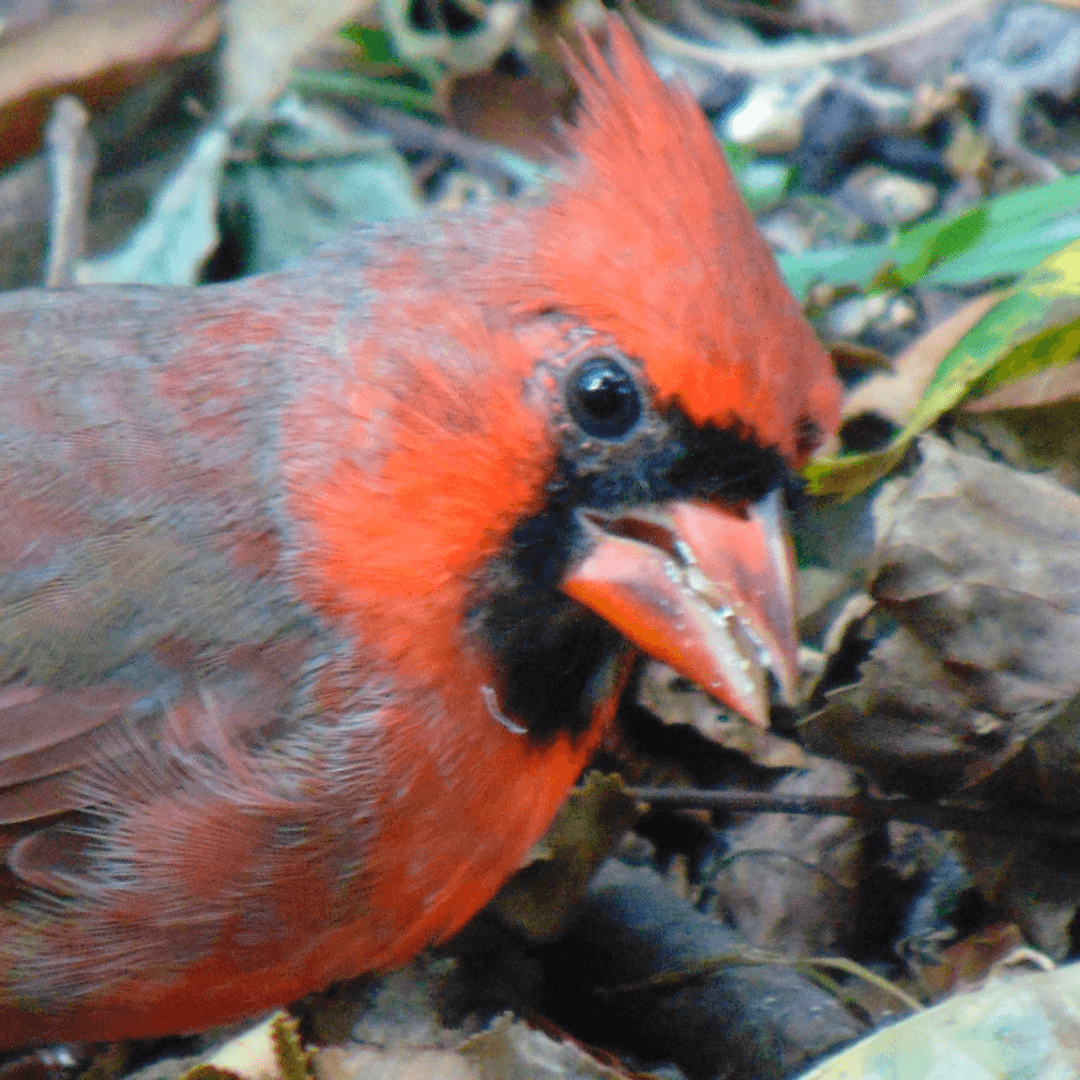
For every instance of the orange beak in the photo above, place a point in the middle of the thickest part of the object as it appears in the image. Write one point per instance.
(708, 591)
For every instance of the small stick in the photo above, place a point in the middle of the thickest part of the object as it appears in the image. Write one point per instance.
(777, 59)
(935, 815)
(72, 156)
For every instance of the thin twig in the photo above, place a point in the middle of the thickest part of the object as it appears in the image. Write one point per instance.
(936, 815)
(751, 955)
(856, 970)
(72, 158)
(494, 164)
(751, 12)
(775, 59)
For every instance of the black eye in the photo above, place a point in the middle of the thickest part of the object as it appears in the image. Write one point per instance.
(603, 399)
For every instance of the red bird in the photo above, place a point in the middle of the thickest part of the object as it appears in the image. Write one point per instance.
(318, 590)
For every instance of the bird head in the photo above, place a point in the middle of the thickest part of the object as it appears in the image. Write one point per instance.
(577, 417)
(685, 386)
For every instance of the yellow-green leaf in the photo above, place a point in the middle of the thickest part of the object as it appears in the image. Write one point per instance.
(1034, 327)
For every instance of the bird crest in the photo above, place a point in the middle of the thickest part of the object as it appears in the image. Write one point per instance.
(646, 238)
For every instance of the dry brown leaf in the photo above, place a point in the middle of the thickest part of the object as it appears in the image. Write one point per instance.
(1047, 770)
(851, 359)
(1033, 886)
(895, 393)
(517, 112)
(1044, 387)
(408, 1063)
(966, 964)
(70, 48)
(788, 880)
(904, 722)
(77, 44)
(539, 899)
(666, 695)
(980, 564)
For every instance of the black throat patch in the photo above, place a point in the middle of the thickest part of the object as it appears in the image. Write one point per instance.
(556, 658)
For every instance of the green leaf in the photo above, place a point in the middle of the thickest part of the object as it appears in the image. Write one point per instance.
(386, 92)
(1007, 251)
(998, 238)
(946, 240)
(1034, 327)
(375, 46)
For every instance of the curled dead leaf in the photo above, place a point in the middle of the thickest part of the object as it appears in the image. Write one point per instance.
(980, 564)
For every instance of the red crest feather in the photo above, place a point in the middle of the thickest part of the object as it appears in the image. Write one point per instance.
(649, 240)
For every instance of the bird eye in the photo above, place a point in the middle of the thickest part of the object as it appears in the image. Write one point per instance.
(603, 399)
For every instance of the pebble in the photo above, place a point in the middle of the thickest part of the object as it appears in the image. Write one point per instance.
(770, 119)
(910, 154)
(838, 124)
(886, 198)
(851, 316)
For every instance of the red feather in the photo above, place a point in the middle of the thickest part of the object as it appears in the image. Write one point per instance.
(318, 590)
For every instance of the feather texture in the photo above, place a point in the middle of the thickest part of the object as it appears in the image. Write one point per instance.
(290, 677)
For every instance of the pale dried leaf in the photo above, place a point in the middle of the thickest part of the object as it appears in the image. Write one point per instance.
(1041, 388)
(75, 45)
(252, 1054)
(1025, 1025)
(179, 233)
(408, 1063)
(401, 1008)
(511, 1050)
(264, 40)
(893, 394)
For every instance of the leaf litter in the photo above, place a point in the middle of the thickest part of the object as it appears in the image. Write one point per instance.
(943, 662)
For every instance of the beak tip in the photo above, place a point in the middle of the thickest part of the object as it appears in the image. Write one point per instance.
(720, 611)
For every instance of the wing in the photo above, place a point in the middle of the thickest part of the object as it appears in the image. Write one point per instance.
(140, 591)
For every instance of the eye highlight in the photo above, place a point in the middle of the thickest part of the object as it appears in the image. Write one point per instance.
(603, 398)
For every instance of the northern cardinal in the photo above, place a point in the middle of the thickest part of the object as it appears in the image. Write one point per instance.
(318, 589)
